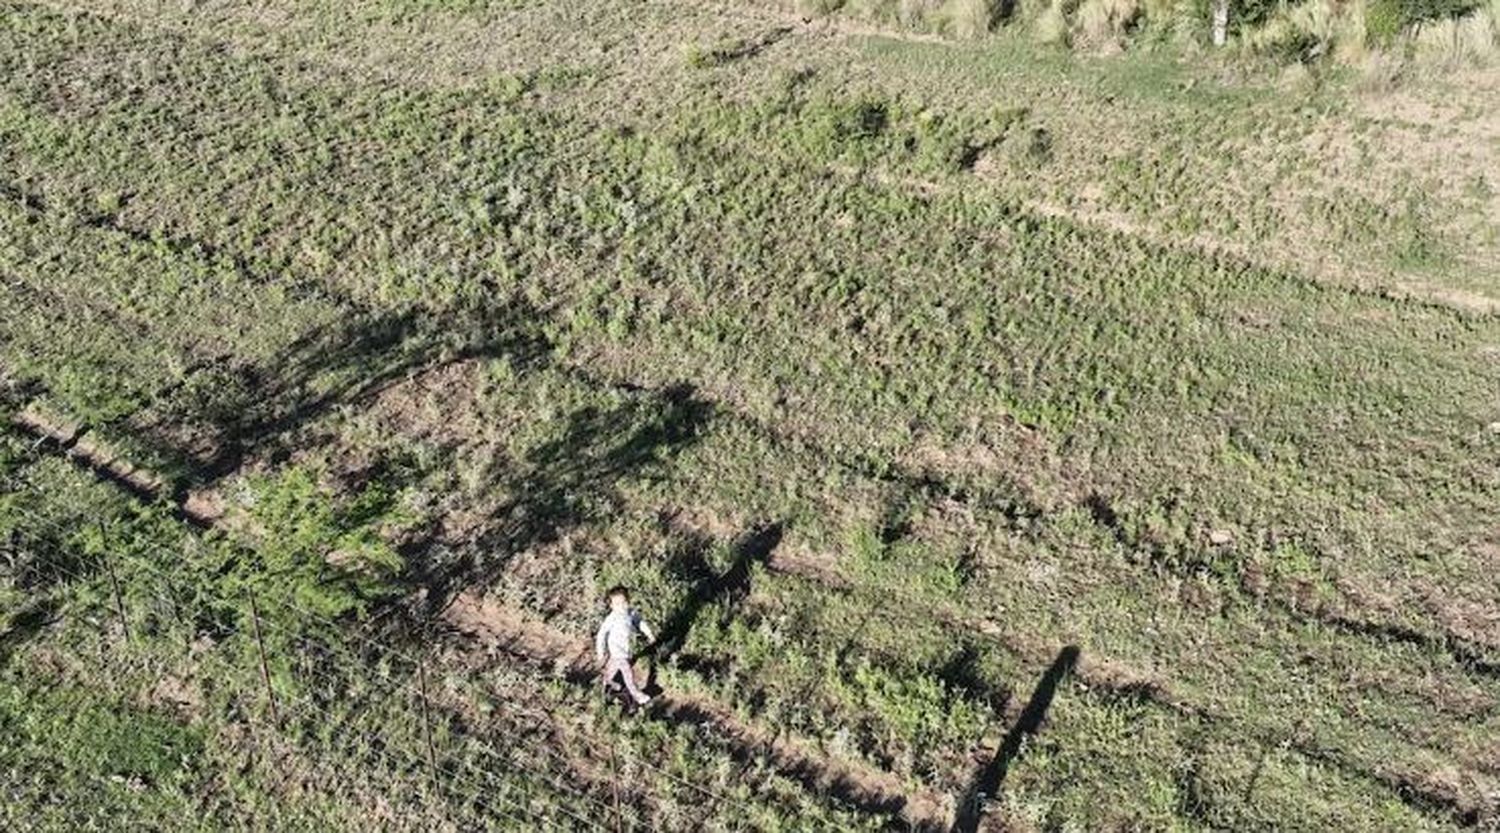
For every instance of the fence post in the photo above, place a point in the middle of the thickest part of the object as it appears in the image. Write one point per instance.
(114, 583)
(265, 671)
(614, 780)
(427, 721)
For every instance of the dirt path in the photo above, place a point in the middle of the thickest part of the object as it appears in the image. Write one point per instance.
(857, 784)
(202, 509)
(78, 445)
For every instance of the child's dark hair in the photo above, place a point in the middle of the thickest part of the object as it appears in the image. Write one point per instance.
(618, 590)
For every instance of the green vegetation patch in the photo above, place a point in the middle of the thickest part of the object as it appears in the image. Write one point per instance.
(73, 758)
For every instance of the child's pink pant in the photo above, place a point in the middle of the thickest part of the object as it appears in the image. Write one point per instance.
(621, 666)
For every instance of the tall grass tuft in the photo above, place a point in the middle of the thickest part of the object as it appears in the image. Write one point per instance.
(1446, 33)
(1380, 72)
(885, 11)
(1103, 24)
(1295, 32)
(1051, 25)
(1351, 35)
(973, 18)
(920, 14)
(1457, 42)
(1189, 26)
(814, 8)
(1454, 43)
(1353, 31)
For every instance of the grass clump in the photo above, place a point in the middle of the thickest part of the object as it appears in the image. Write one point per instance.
(974, 18)
(1457, 42)
(1443, 34)
(1052, 26)
(331, 556)
(1105, 24)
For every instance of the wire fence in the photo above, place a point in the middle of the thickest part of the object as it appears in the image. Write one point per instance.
(288, 709)
(598, 806)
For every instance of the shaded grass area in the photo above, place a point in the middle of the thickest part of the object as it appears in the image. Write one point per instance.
(1092, 335)
(855, 331)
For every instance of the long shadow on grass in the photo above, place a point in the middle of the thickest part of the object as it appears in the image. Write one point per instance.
(963, 672)
(987, 781)
(727, 588)
(242, 409)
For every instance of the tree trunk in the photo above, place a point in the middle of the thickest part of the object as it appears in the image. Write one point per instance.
(1221, 22)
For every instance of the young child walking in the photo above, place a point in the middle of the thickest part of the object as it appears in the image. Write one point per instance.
(612, 644)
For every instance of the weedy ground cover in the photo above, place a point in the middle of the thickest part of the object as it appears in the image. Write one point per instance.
(855, 379)
(147, 702)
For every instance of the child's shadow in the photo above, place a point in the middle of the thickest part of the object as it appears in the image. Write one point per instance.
(729, 587)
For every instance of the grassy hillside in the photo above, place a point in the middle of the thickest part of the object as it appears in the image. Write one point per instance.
(1115, 437)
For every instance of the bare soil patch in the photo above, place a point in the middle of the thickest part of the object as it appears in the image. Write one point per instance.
(436, 405)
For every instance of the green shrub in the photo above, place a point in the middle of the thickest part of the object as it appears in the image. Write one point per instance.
(1416, 11)
(1245, 14)
(317, 551)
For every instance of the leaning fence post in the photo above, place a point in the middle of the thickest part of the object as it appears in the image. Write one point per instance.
(260, 646)
(426, 721)
(114, 583)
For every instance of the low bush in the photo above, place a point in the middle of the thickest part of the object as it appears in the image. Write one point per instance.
(1452, 31)
(317, 551)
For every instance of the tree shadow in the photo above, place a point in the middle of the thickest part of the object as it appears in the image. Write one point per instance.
(727, 588)
(236, 410)
(220, 409)
(223, 413)
(988, 780)
(573, 479)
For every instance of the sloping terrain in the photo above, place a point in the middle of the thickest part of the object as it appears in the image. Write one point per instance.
(995, 439)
